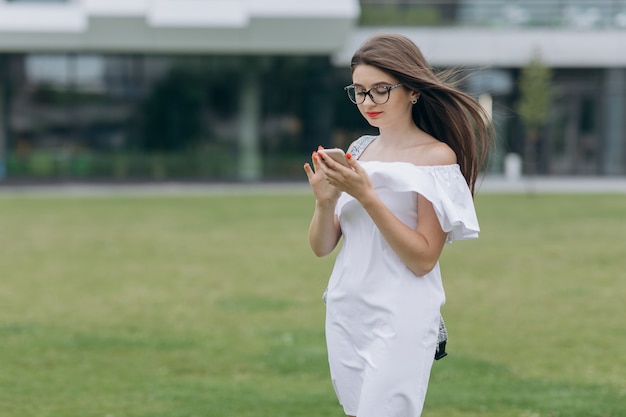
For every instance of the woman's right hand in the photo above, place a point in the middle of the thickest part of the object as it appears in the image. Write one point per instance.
(324, 192)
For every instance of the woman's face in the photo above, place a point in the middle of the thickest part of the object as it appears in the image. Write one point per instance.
(396, 111)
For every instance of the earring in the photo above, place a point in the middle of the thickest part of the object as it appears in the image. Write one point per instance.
(414, 101)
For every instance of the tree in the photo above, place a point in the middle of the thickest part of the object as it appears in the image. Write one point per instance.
(533, 106)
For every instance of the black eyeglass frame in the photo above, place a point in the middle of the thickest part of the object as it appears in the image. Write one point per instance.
(369, 93)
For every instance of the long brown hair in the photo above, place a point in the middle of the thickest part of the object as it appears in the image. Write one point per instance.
(442, 111)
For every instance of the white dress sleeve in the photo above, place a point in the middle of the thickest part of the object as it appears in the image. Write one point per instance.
(443, 185)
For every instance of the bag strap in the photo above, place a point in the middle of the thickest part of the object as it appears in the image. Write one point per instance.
(357, 147)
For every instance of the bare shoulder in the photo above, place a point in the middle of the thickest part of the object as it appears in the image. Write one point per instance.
(435, 153)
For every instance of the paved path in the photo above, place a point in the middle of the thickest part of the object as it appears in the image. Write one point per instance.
(489, 184)
(554, 185)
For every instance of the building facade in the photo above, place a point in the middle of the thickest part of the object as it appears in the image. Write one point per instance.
(582, 42)
(241, 89)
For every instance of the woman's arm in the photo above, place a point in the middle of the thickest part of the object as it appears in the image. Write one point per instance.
(418, 248)
(324, 230)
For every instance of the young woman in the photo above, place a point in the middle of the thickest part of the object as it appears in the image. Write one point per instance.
(409, 193)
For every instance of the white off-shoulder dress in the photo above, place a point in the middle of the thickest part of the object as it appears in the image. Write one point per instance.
(382, 320)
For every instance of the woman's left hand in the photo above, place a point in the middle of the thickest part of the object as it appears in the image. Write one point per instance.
(351, 179)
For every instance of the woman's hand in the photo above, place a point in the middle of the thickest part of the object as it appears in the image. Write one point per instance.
(324, 192)
(351, 179)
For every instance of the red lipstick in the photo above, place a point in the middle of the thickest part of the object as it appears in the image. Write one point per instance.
(373, 114)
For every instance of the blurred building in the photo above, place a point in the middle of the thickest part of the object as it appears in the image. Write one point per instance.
(583, 42)
(245, 89)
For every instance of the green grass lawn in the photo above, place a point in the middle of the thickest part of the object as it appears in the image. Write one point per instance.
(210, 306)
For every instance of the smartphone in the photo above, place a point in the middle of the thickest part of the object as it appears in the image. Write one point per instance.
(337, 154)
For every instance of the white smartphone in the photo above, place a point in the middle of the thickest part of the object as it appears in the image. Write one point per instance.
(337, 154)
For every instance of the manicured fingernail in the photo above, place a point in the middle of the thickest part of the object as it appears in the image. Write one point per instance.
(349, 156)
(320, 147)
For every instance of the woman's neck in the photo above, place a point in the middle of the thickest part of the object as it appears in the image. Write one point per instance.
(399, 137)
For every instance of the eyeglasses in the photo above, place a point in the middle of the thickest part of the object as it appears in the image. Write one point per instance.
(379, 93)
